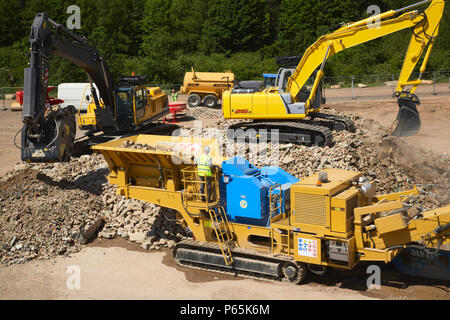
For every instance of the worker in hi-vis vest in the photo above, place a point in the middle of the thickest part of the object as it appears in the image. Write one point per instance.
(204, 164)
(174, 96)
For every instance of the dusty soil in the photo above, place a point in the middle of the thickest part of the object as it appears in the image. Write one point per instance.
(434, 111)
(117, 269)
(113, 271)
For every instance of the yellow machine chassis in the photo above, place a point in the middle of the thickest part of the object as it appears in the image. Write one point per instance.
(156, 104)
(335, 211)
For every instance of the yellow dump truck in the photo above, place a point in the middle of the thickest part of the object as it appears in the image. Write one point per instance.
(206, 87)
(264, 222)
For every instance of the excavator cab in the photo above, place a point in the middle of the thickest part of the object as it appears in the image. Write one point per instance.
(124, 106)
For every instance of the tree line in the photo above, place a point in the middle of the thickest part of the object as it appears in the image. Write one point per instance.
(164, 38)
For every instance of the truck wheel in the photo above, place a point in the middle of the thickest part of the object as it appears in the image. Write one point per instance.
(210, 101)
(194, 100)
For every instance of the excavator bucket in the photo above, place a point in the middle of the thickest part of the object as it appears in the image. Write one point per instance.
(408, 118)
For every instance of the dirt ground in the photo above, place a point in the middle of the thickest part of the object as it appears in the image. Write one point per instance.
(10, 124)
(434, 111)
(377, 93)
(117, 269)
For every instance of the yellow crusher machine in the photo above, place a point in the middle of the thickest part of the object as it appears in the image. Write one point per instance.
(294, 111)
(264, 222)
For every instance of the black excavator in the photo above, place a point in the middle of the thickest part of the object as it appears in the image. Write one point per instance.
(48, 132)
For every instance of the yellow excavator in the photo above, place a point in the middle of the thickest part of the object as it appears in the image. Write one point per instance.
(294, 111)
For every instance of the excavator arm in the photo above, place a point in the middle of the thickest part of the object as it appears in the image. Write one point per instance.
(425, 25)
(48, 132)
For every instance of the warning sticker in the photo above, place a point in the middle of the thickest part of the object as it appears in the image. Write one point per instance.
(38, 154)
(307, 248)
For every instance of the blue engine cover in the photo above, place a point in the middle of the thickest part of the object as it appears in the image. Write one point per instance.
(245, 190)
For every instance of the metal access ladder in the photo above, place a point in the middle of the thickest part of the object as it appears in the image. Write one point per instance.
(277, 214)
(224, 236)
(275, 202)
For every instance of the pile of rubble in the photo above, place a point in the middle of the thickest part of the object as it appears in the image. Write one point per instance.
(41, 217)
(55, 209)
(147, 224)
(136, 146)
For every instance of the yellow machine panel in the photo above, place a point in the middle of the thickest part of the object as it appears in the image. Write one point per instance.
(390, 223)
(337, 181)
(243, 105)
(313, 205)
(342, 206)
(311, 209)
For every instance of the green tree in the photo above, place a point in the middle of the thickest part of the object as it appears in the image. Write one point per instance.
(234, 26)
(187, 18)
(157, 43)
(9, 28)
(302, 22)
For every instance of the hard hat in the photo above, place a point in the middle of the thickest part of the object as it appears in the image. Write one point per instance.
(207, 149)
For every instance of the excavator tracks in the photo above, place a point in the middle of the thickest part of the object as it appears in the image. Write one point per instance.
(288, 132)
(247, 263)
(315, 131)
(335, 122)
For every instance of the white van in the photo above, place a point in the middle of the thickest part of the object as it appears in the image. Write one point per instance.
(75, 94)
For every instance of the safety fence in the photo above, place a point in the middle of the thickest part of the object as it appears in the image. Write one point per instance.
(7, 96)
(341, 88)
(382, 86)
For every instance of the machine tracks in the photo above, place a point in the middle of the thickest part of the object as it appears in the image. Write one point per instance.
(247, 263)
(335, 122)
(289, 131)
(316, 131)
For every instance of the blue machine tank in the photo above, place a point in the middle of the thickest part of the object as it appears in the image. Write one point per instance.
(245, 191)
